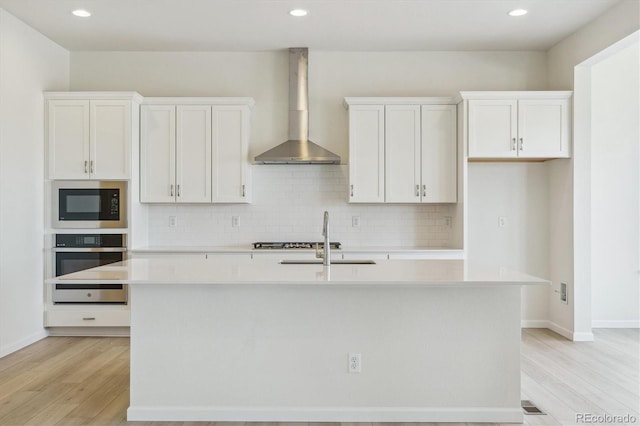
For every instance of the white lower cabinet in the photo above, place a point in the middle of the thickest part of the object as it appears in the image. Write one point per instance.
(227, 256)
(87, 317)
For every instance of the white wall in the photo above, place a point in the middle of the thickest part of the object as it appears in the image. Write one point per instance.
(29, 64)
(615, 146)
(332, 76)
(570, 251)
(523, 243)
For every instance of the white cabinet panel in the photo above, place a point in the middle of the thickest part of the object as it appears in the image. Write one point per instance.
(366, 154)
(439, 154)
(230, 154)
(68, 139)
(543, 129)
(402, 153)
(493, 128)
(110, 141)
(193, 154)
(88, 317)
(157, 154)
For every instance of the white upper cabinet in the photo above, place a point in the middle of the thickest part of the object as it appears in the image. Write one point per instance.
(157, 153)
(366, 154)
(402, 153)
(519, 125)
(89, 135)
(230, 154)
(195, 152)
(439, 154)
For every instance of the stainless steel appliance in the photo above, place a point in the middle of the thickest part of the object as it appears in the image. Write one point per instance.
(89, 204)
(77, 252)
(293, 245)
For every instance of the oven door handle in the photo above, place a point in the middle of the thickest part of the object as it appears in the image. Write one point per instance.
(90, 250)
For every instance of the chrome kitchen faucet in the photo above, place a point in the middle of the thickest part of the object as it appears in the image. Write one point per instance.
(326, 253)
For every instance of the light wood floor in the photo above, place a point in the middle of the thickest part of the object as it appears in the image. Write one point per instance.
(85, 380)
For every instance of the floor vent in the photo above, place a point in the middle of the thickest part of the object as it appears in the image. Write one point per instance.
(530, 408)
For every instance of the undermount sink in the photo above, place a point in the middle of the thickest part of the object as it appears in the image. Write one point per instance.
(333, 262)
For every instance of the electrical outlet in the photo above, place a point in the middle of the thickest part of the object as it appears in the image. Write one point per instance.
(502, 221)
(173, 221)
(235, 221)
(355, 221)
(355, 363)
(447, 221)
(563, 293)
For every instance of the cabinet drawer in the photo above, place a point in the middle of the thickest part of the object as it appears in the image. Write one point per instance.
(87, 318)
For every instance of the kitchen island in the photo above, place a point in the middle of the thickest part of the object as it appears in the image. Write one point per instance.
(227, 339)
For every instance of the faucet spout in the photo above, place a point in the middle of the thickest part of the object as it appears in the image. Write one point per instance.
(326, 255)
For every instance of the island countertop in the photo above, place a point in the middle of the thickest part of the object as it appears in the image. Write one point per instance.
(232, 271)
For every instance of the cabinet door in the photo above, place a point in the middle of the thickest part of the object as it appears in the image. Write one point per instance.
(439, 154)
(193, 154)
(230, 154)
(68, 139)
(402, 153)
(492, 128)
(157, 153)
(110, 141)
(366, 154)
(543, 128)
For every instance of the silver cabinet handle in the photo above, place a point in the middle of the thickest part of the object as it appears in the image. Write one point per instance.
(352, 190)
(91, 166)
(417, 190)
(244, 192)
(85, 166)
(178, 190)
(521, 144)
(171, 190)
(424, 190)
(88, 318)
(513, 144)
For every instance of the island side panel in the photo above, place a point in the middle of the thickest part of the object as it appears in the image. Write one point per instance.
(280, 353)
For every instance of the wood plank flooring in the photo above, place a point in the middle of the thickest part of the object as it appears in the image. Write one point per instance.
(85, 381)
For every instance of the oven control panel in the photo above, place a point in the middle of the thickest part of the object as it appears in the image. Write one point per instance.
(89, 240)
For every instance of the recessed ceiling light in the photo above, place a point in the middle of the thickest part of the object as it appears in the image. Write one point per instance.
(518, 12)
(81, 13)
(298, 12)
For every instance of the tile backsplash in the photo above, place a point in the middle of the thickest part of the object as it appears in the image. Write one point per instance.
(287, 205)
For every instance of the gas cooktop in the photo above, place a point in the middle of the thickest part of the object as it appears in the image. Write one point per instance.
(292, 245)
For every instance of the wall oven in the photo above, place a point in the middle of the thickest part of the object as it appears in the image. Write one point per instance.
(76, 252)
(89, 204)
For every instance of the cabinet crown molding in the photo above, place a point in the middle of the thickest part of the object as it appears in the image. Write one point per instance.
(500, 95)
(399, 101)
(133, 96)
(250, 102)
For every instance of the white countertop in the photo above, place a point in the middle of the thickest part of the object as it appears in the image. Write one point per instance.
(431, 252)
(234, 271)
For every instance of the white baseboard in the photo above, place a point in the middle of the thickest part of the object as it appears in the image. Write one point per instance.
(90, 331)
(615, 324)
(327, 414)
(22, 343)
(566, 333)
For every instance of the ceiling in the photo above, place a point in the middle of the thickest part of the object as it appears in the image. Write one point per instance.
(343, 25)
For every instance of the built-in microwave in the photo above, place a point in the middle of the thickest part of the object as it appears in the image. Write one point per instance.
(89, 204)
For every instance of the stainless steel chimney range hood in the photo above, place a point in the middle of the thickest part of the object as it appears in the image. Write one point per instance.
(298, 149)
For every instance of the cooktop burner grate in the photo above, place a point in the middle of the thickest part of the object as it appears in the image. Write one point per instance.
(292, 245)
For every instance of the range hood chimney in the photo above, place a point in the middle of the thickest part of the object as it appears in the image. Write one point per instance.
(298, 149)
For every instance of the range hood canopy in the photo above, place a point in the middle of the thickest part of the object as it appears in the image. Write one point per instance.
(298, 149)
